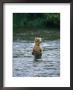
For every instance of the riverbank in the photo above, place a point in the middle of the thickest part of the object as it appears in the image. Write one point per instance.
(45, 34)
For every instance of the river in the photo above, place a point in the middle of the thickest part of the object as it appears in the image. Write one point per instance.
(24, 64)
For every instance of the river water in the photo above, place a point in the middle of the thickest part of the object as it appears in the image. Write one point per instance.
(24, 64)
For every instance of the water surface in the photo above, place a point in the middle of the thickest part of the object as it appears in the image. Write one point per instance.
(25, 66)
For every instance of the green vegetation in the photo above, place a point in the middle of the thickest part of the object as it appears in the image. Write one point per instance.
(27, 25)
(36, 20)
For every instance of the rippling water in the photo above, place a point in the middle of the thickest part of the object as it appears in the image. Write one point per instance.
(25, 66)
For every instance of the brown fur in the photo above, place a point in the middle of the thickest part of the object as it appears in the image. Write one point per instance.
(37, 50)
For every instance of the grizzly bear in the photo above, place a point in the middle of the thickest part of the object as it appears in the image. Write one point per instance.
(37, 50)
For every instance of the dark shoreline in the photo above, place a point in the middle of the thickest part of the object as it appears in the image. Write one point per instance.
(45, 34)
